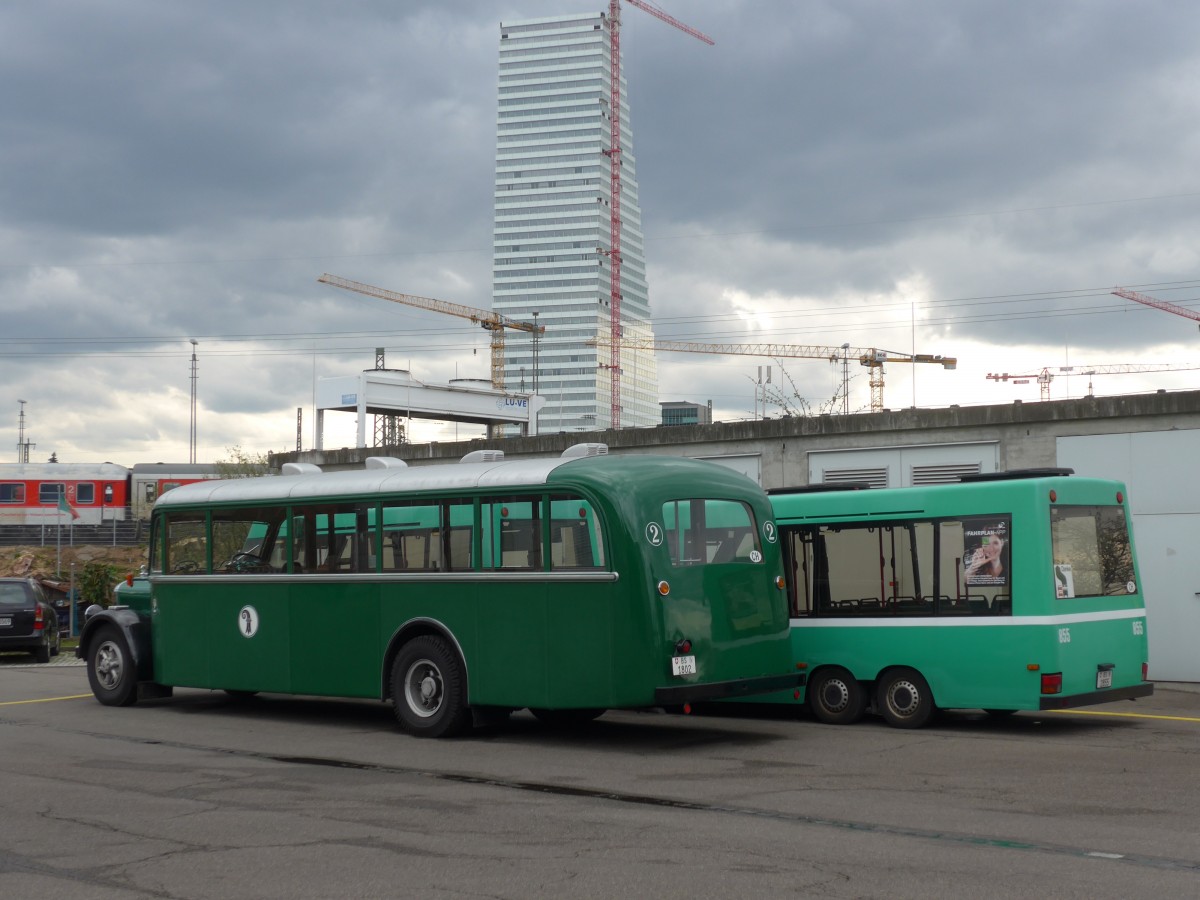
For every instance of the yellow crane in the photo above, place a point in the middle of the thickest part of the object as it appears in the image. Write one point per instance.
(872, 358)
(492, 322)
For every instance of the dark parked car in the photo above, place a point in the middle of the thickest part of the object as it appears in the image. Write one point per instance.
(28, 620)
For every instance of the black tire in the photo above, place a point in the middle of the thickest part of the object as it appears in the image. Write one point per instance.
(836, 697)
(566, 718)
(42, 653)
(110, 668)
(429, 690)
(904, 699)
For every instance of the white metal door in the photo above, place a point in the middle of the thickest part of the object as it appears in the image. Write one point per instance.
(1158, 468)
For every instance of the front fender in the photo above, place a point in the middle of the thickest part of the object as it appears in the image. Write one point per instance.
(134, 626)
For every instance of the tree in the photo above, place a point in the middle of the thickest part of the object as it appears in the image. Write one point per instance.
(242, 463)
(795, 405)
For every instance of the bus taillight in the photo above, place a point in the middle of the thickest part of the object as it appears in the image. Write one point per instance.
(1052, 683)
(664, 588)
(779, 582)
(1145, 671)
(683, 645)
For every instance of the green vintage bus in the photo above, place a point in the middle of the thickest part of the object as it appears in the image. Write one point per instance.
(1007, 591)
(460, 592)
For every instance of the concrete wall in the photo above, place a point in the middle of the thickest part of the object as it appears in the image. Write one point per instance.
(1026, 435)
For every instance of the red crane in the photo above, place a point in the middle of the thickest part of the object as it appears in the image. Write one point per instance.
(614, 153)
(1157, 304)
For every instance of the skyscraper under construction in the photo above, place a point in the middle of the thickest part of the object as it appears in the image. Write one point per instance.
(552, 234)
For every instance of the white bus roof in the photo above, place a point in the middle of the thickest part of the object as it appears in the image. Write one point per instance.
(451, 476)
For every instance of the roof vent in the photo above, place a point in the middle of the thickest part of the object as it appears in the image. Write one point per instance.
(299, 469)
(385, 462)
(578, 451)
(476, 456)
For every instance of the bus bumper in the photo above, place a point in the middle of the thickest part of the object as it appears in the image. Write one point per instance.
(1091, 699)
(723, 690)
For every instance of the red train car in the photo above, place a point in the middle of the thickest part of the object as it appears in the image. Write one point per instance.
(151, 480)
(31, 493)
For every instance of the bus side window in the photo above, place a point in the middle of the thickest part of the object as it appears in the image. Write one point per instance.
(797, 546)
(512, 533)
(243, 540)
(333, 538)
(458, 535)
(576, 539)
(969, 588)
(186, 546)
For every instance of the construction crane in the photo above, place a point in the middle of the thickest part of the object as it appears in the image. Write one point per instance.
(1158, 304)
(1046, 376)
(1043, 378)
(492, 322)
(870, 357)
(614, 154)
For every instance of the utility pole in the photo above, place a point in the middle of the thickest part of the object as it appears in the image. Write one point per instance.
(845, 379)
(22, 445)
(192, 431)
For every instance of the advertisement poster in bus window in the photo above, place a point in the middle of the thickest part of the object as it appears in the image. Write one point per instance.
(985, 551)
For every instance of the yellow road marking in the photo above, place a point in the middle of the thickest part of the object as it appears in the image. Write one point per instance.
(44, 700)
(1092, 712)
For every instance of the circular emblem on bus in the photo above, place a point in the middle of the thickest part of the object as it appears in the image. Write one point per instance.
(654, 534)
(248, 621)
(755, 556)
(1130, 587)
(769, 532)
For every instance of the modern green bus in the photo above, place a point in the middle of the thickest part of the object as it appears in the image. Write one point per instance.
(1007, 591)
(461, 592)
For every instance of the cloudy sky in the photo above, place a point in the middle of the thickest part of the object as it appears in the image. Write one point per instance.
(966, 179)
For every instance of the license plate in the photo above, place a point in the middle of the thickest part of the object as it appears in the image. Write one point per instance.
(5, 621)
(1104, 678)
(683, 665)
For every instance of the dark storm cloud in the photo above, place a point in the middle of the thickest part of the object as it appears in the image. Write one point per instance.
(827, 172)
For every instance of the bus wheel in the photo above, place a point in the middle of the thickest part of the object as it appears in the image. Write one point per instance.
(110, 668)
(835, 697)
(905, 699)
(566, 718)
(429, 692)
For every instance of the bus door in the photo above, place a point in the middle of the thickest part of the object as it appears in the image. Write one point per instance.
(224, 623)
(335, 603)
(544, 641)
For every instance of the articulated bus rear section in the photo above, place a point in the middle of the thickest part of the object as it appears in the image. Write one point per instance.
(1005, 592)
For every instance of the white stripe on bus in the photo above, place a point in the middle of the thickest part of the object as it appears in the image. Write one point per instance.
(965, 621)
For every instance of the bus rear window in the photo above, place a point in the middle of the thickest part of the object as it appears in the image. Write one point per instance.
(1092, 556)
(700, 532)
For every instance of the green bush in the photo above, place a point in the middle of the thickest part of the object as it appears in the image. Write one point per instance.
(96, 584)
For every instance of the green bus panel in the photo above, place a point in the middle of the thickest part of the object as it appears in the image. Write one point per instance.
(335, 638)
(201, 638)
